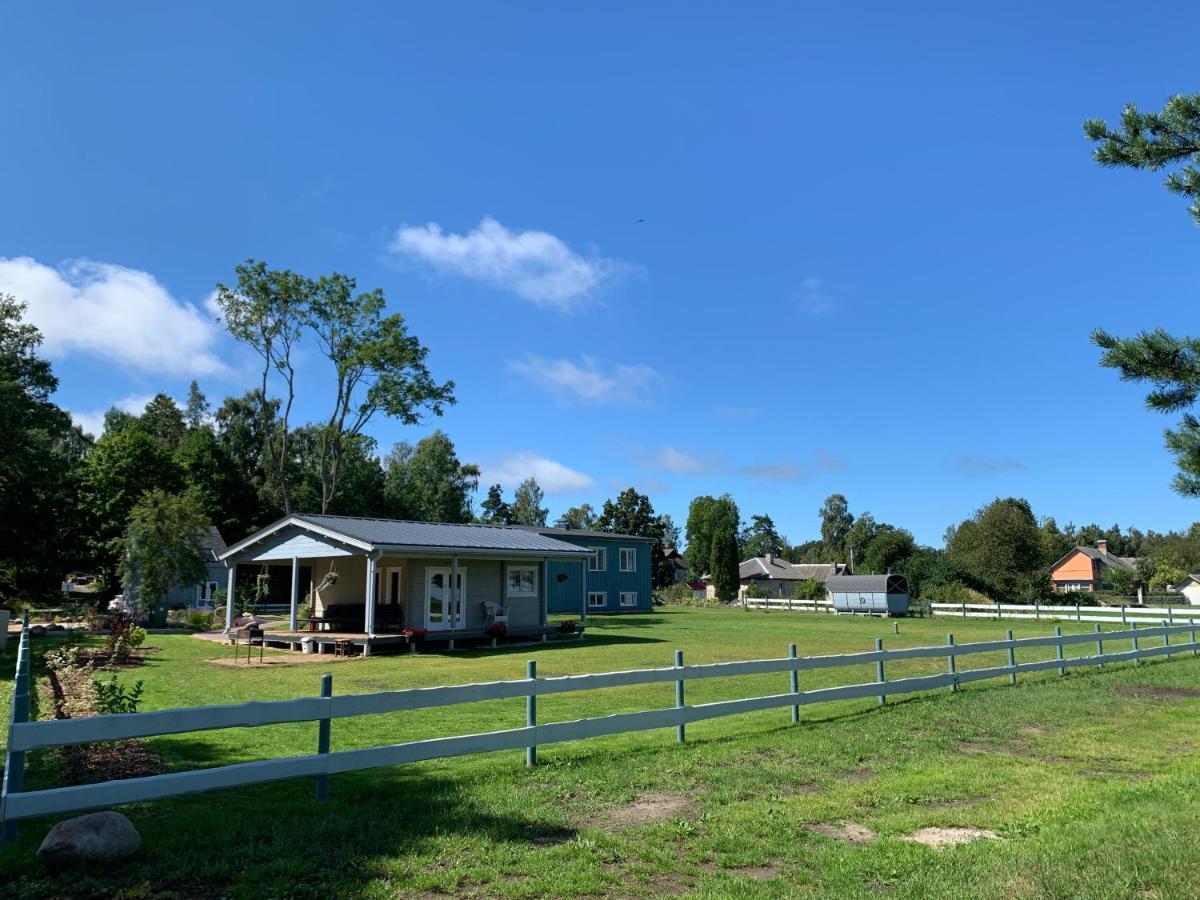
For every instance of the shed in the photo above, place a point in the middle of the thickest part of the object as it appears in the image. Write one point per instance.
(881, 595)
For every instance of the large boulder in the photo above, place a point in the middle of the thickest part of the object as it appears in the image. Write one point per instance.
(96, 837)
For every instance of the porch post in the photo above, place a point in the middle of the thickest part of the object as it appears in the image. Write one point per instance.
(544, 590)
(369, 592)
(454, 606)
(295, 591)
(583, 591)
(229, 596)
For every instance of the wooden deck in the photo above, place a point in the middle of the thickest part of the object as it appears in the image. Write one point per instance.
(326, 641)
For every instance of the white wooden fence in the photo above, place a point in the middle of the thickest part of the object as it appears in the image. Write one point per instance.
(787, 604)
(24, 735)
(1143, 615)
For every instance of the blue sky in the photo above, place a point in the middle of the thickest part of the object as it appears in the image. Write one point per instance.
(873, 243)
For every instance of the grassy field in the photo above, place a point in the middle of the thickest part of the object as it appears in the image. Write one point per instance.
(1089, 781)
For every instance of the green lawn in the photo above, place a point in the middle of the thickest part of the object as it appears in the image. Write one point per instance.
(1089, 780)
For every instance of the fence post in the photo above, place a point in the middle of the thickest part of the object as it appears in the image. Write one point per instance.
(1170, 615)
(1037, 610)
(680, 729)
(1122, 613)
(14, 764)
(1058, 650)
(1166, 637)
(879, 669)
(1099, 646)
(1137, 659)
(323, 737)
(1012, 659)
(964, 608)
(1193, 635)
(1078, 615)
(950, 663)
(531, 711)
(795, 684)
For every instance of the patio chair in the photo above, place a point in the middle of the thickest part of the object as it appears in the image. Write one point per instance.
(495, 613)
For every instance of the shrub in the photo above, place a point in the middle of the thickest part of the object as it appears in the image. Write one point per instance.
(64, 657)
(200, 621)
(112, 698)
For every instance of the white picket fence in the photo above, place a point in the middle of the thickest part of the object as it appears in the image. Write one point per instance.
(24, 736)
(1143, 615)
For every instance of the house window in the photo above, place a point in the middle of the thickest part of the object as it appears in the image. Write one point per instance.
(598, 561)
(629, 598)
(522, 581)
(628, 559)
(597, 599)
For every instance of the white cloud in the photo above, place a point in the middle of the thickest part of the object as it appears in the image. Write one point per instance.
(115, 313)
(554, 477)
(93, 422)
(591, 381)
(679, 462)
(814, 297)
(534, 265)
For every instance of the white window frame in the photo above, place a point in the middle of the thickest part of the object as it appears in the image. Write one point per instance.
(533, 573)
(598, 561)
(603, 595)
(632, 551)
(633, 601)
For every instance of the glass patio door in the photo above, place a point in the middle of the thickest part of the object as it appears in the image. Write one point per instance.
(442, 612)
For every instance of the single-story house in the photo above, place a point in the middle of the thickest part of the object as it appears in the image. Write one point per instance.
(375, 579)
(1190, 588)
(777, 577)
(195, 595)
(1084, 568)
(617, 578)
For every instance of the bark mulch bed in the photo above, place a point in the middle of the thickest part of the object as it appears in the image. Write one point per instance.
(70, 693)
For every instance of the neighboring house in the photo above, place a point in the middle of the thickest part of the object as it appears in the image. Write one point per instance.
(777, 577)
(1190, 588)
(1085, 568)
(376, 578)
(618, 576)
(197, 595)
(679, 567)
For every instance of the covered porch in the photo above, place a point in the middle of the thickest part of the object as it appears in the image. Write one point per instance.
(379, 583)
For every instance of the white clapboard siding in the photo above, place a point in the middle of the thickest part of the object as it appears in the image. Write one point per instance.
(23, 736)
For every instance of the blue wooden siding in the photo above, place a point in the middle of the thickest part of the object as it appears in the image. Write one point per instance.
(565, 594)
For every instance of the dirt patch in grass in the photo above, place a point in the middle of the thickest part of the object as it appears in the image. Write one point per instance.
(937, 838)
(1139, 692)
(850, 832)
(1016, 747)
(648, 809)
(859, 775)
(268, 662)
(756, 873)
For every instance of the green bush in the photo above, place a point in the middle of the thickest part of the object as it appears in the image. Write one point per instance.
(112, 698)
(200, 621)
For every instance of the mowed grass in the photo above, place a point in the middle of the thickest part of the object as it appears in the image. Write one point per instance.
(1090, 780)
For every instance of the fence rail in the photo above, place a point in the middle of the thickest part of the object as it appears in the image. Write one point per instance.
(25, 736)
(1149, 615)
(787, 603)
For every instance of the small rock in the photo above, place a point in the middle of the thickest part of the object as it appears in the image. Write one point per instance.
(37, 630)
(95, 837)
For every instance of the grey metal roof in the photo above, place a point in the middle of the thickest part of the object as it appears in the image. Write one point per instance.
(776, 569)
(212, 545)
(1128, 563)
(399, 533)
(842, 583)
(552, 531)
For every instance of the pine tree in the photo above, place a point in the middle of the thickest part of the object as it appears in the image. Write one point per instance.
(196, 411)
(725, 565)
(494, 510)
(1155, 141)
(527, 506)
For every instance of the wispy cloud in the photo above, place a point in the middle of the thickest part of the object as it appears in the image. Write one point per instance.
(982, 466)
(670, 459)
(737, 412)
(535, 265)
(554, 477)
(93, 422)
(589, 381)
(814, 297)
(788, 470)
(114, 313)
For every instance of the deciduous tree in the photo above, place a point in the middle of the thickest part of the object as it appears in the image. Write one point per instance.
(527, 506)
